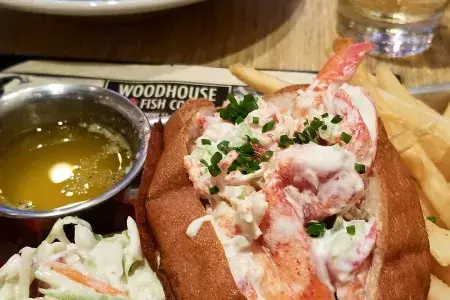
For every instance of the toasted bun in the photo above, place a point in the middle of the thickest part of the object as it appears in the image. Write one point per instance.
(198, 269)
(401, 260)
(194, 268)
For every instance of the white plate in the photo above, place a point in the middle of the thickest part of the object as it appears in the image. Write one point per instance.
(94, 7)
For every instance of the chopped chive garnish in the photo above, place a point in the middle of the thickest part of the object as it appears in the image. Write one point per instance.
(214, 170)
(206, 142)
(232, 99)
(351, 229)
(312, 132)
(345, 137)
(268, 126)
(246, 148)
(235, 111)
(285, 141)
(223, 146)
(301, 138)
(316, 124)
(255, 141)
(239, 120)
(216, 158)
(246, 164)
(361, 169)
(336, 119)
(233, 167)
(255, 120)
(315, 229)
(324, 127)
(213, 190)
(432, 219)
(297, 138)
(324, 115)
(266, 156)
(204, 162)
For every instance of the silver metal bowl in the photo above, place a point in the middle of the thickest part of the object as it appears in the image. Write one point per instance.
(33, 107)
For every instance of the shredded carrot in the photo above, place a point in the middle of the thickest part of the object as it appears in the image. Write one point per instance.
(96, 285)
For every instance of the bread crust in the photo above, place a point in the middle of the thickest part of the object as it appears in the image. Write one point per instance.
(401, 266)
(193, 268)
(196, 267)
(155, 147)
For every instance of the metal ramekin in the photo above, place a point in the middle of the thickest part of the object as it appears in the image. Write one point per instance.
(33, 107)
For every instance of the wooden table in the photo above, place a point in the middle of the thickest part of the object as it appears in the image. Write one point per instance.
(282, 34)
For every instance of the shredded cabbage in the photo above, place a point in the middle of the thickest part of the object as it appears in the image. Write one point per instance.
(92, 267)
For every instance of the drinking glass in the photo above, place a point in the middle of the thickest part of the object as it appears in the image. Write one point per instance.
(397, 27)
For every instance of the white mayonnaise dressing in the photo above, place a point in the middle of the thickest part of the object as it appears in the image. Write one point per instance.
(338, 253)
(195, 225)
(237, 250)
(308, 164)
(366, 108)
(240, 204)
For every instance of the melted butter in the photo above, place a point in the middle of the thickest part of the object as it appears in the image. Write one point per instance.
(61, 164)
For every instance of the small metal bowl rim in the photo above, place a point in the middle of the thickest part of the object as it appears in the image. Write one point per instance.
(137, 165)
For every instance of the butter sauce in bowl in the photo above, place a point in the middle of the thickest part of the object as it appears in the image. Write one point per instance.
(67, 148)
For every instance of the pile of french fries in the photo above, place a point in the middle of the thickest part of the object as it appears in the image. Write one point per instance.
(421, 136)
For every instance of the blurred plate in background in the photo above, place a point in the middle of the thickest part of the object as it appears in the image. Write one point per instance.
(93, 7)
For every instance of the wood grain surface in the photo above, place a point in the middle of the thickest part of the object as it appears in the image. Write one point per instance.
(281, 34)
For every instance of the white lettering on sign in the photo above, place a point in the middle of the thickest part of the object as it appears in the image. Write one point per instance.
(168, 91)
(182, 92)
(175, 104)
(125, 89)
(149, 90)
(138, 91)
(160, 90)
(153, 103)
(171, 91)
(212, 94)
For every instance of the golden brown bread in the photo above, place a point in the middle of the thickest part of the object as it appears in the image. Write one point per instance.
(155, 147)
(183, 119)
(197, 268)
(401, 264)
(194, 268)
(170, 173)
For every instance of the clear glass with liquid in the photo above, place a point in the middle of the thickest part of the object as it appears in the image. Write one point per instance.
(398, 28)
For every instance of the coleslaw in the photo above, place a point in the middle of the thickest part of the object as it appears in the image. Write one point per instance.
(92, 267)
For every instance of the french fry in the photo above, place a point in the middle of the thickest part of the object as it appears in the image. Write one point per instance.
(407, 121)
(439, 243)
(402, 141)
(423, 122)
(444, 165)
(430, 180)
(256, 79)
(438, 289)
(447, 111)
(434, 145)
(390, 83)
(431, 131)
(443, 273)
(436, 148)
(342, 43)
(428, 209)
